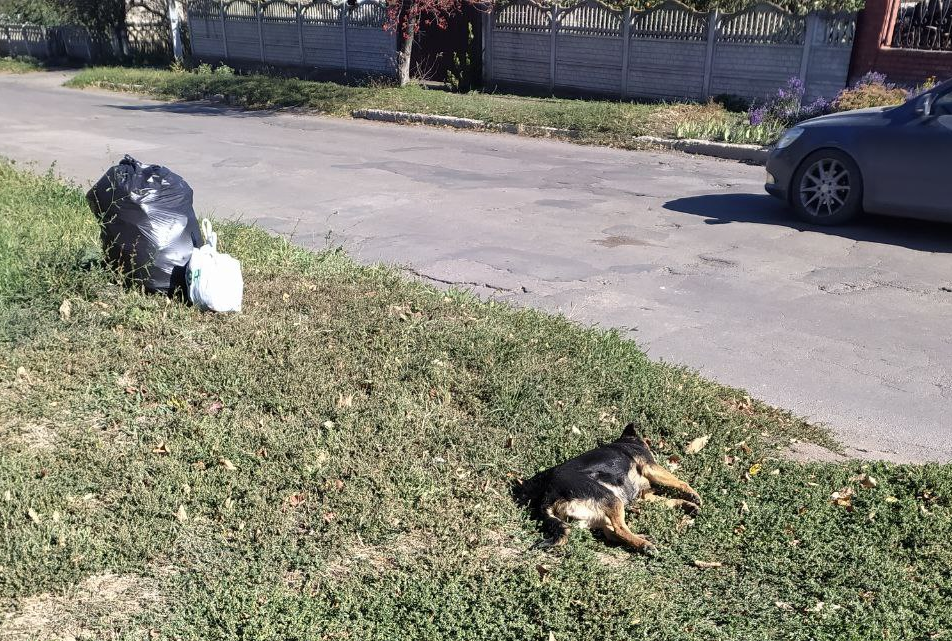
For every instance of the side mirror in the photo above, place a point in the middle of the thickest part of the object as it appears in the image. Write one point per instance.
(924, 106)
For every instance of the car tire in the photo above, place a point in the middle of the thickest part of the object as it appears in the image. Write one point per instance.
(827, 188)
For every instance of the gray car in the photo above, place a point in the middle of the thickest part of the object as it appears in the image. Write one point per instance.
(886, 160)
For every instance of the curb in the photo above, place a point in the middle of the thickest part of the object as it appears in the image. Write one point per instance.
(753, 154)
(383, 115)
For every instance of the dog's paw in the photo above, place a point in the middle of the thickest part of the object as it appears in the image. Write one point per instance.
(545, 544)
(695, 498)
(650, 549)
(690, 507)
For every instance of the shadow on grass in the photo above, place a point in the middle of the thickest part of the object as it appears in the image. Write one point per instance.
(719, 209)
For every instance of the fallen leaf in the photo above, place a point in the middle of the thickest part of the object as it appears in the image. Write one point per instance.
(755, 469)
(865, 480)
(707, 564)
(816, 608)
(551, 636)
(510, 440)
(783, 605)
(345, 401)
(161, 449)
(228, 465)
(296, 499)
(775, 472)
(181, 515)
(330, 516)
(338, 485)
(729, 460)
(743, 447)
(674, 462)
(328, 425)
(576, 431)
(843, 498)
(33, 515)
(697, 444)
(65, 310)
(262, 452)
(744, 508)
(891, 499)
(215, 408)
(543, 572)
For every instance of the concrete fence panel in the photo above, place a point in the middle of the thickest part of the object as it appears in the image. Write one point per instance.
(522, 44)
(669, 51)
(589, 48)
(321, 34)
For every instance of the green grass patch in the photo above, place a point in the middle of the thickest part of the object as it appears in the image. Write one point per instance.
(335, 462)
(603, 122)
(19, 64)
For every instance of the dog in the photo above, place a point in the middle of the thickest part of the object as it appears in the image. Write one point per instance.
(594, 488)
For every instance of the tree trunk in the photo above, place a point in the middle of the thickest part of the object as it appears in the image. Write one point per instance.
(403, 56)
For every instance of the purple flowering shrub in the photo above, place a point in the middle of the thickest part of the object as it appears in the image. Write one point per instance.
(786, 107)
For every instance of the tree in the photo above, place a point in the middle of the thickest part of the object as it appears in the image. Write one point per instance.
(405, 17)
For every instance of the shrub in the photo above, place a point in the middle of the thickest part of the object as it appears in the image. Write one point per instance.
(204, 69)
(872, 90)
(785, 108)
(224, 70)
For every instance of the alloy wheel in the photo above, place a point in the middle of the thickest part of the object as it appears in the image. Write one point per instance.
(825, 187)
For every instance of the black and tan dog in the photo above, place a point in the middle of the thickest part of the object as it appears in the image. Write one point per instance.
(594, 488)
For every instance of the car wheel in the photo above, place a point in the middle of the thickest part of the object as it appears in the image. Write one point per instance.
(827, 188)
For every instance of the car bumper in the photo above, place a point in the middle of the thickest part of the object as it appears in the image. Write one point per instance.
(780, 168)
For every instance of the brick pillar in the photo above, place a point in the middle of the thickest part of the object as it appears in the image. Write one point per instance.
(874, 27)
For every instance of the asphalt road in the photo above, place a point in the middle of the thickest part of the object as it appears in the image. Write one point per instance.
(850, 326)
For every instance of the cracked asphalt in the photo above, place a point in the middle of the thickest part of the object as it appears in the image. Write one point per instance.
(686, 255)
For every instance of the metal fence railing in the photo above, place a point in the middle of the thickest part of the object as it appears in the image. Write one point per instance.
(925, 25)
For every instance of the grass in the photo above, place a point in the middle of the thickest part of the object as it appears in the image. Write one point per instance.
(602, 122)
(335, 463)
(19, 64)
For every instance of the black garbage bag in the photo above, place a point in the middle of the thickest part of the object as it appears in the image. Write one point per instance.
(147, 224)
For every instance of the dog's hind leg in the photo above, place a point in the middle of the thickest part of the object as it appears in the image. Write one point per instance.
(687, 506)
(555, 529)
(619, 531)
(659, 476)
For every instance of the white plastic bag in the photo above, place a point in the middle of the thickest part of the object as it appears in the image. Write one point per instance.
(214, 280)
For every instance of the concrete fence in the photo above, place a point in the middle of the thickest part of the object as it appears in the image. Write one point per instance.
(143, 40)
(670, 51)
(319, 34)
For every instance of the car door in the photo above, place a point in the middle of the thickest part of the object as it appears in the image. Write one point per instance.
(912, 155)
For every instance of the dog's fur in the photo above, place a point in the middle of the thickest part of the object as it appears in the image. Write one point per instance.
(594, 488)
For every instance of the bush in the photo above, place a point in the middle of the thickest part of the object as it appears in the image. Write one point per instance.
(786, 108)
(872, 90)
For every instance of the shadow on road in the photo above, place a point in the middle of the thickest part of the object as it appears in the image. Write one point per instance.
(720, 209)
(198, 108)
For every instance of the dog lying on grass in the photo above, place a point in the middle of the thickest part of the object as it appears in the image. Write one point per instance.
(594, 488)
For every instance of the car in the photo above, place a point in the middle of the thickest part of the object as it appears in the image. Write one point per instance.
(895, 161)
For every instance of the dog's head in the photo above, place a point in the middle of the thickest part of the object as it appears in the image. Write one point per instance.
(632, 434)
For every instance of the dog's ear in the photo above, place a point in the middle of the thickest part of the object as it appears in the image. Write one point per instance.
(631, 431)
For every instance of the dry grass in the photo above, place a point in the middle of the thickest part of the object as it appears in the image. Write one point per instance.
(102, 606)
